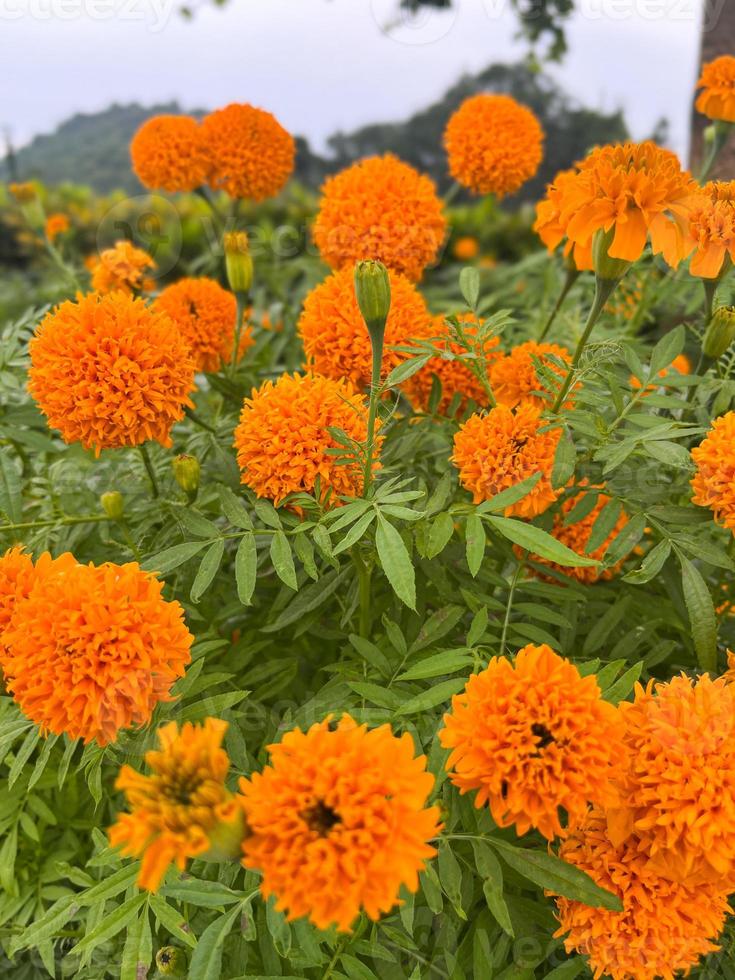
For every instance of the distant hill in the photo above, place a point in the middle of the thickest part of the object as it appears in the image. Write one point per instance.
(93, 148)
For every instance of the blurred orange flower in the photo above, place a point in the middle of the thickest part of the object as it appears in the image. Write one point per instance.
(168, 154)
(717, 81)
(56, 224)
(714, 480)
(680, 365)
(712, 229)
(122, 269)
(465, 248)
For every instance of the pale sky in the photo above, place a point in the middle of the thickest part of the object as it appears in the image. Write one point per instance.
(321, 65)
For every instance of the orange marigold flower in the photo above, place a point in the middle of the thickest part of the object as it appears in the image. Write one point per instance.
(380, 208)
(92, 650)
(338, 821)
(714, 480)
(531, 738)
(108, 371)
(56, 224)
(636, 191)
(122, 269)
(515, 379)
(250, 152)
(335, 338)
(576, 536)
(496, 451)
(453, 372)
(678, 794)
(17, 575)
(465, 248)
(680, 365)
(205, 315)
(494, 144)
(24, 193)
(184, 809)
(717, 81)
(551, 221)
(664, 927)
(712, 229)
(284, 444)
(168, 154)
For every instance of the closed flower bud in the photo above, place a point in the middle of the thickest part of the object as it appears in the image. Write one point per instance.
(607, 268)
(238, 261)
(720, 333)
(186, 474)
(372, 290)
(172, 961)
(113, 504)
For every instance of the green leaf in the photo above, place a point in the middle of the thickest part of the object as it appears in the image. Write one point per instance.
(431, 698)
(355, 533)
(206, 961)
(651, 564)
(701, 611)
(556, 875)
(234, 509)
(308, 599)
(172, 920)
(469, 285)
(490, 870)
(165, 561)
(667, 349)
(450, 877)
(440, 532)
(203, 894)
(405, 370)
(448, 662)
(196, 524)
(475, 542)
(50, 922)
(11, 487)
(282, 559)
(207, 570)
(246, 568)
(507, 498)
(622, 687)
(111, 924)
(538, 542)
(478, 627)
(110, 886)
(396, 562)
(604, 523)
(138, 949)
(565, 460)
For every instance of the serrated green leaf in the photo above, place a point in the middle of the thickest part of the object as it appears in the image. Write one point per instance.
(282, 559)
(538, 542)
(207, 570)
(396, 562)
(246, 568)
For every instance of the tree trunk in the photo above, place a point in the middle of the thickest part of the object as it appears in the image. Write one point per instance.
(718, 38)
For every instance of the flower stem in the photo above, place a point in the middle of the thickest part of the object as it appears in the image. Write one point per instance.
(372, 412)
(722, 135)
(364, 576)
(571, 277)
(54, 522)
(191, 414)
(149, 469)
(242, 301)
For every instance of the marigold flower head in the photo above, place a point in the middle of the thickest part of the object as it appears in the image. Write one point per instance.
(108, 371)
(205, 316)
(336, 339)
(56, 224)
(250, 153)
(24, 192)
(714, 480)
(576, 536)
(678, 793)
(465, 248)
(494, 144)
(681, 365)
(711, 229)
(717, 81)
(551, 221)
(533, 737)
(500, 449)
(380, 208)
(515, 379)
(283, 440)
(17, 576)
(338, 821)
(168, 154)
(92, 650)
(664, 928)
(184, 809)
(122, 269)
(454, 374)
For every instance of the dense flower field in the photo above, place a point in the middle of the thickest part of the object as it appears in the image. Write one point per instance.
(365, 612)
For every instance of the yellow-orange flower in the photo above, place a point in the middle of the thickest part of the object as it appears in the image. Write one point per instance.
(380, 208)
(664, 928)
(283, 441)
(454, 374)
(122, 269)
(712, 229)
(24, 192)
(335, 338)
(494, 144)
(338, 821)
(168, 154)
(92, 650)
(576, 536)
(496, 451)
(250, 153)
(714, 480)
(717, 81)
(552, 218)
(205, 315)
(107, 371)
(56, 224)
(17, 575)
(515, 379)
(184, 809)
(465, 248)
(680, 365)
(532, 738)
(638, 192)
(678, 794)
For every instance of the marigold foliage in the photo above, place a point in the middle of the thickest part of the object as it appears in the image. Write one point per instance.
(168, 154)
(680, 365)
(714, 480)
(496, 451)
(380, 208)
(533, 738)
(717, 81)
(108, 371)
(515, 379)
(494, 144)
(122, 269)
(338, 821)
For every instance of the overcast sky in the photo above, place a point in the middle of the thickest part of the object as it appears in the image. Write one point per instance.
(321, 65)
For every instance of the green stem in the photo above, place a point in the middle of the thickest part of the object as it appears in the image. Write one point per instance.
(57, 522)
(149, 469)
(242, 302)
(722, 135)
(509, 604)
(364, 575)
(452, 192)
(191, 414)
(377, 345)
(203, 193)
(570, 279)
(604, 288)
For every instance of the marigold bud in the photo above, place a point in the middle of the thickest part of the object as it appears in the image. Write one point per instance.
(238, 261)
(186, 473)
(607, 268)
(720, 333)
(372, 290)
(113, 504)
(172, 961)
